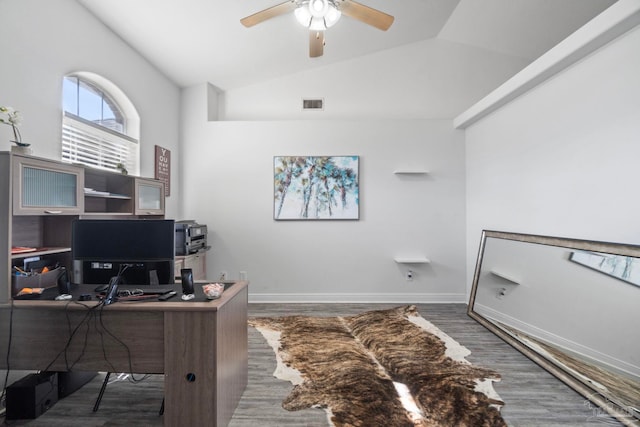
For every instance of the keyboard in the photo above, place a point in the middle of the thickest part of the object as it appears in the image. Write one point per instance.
(146, 290)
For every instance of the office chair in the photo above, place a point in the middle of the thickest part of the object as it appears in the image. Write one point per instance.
(96, 406)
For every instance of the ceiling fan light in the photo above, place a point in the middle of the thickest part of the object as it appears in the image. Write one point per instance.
(318, 8)
(303, 16)
(317, 15)
(332, 16)
(317, 24)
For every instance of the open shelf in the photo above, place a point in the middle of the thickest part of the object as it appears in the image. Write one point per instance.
(412, 260)
(505, 277)
(411, 172)
(104, 214)
(107, 196)
(40, 252)
(107, 192)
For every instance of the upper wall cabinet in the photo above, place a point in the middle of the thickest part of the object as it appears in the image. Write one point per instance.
(47, 187)
(114, 194)
(149, 197)
(43, 187)
(48, 195)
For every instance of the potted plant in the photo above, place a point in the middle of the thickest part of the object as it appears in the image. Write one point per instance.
(11, 117)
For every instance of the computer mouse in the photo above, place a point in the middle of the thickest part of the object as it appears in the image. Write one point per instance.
(101, 288)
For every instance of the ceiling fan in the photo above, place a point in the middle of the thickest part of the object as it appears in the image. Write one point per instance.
(318, 15)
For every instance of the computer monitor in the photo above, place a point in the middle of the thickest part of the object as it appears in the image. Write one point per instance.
(101, 248)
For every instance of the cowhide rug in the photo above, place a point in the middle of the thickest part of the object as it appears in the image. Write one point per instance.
(351, 367)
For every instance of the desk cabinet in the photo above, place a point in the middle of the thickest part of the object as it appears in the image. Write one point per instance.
(201, 347)
(196, 262)
(43, 197)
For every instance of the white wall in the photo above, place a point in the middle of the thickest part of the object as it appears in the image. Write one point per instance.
(45, 40)
(228, 182)
(379, 107)
(563, 158)
(428, 79)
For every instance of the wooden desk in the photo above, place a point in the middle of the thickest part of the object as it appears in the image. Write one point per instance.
(201, 347)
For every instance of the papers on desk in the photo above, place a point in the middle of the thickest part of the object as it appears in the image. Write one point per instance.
(30, 291)
(22, 250)
(96, 193)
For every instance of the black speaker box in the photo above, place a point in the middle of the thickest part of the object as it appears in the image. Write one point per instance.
(64, 285)
(31, 396)
(186, 277)
(69, 382)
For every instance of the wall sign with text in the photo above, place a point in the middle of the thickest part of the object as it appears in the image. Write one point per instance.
(163, 168)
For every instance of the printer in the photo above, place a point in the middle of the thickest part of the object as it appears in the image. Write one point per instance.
(191, 237)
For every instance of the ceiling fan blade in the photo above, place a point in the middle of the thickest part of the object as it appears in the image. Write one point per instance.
(366, 14)
(272, 12)
(316, 43)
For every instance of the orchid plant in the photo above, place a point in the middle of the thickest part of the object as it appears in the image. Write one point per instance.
(11, 117)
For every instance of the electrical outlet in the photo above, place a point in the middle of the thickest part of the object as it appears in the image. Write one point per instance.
(501, 293)
(223, 275)
(243, 275)
(409, 275)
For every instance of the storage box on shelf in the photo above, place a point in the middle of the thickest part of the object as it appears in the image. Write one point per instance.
(41, 236)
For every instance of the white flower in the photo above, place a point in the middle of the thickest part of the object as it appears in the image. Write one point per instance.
(13, 117)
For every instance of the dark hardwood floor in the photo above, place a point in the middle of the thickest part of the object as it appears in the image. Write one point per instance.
(532, 396)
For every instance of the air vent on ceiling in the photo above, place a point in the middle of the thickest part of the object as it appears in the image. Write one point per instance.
(313, 104)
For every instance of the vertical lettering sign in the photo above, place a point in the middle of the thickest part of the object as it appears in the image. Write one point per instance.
(163, 168)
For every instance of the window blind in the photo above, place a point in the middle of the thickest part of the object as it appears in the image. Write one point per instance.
(93, 145)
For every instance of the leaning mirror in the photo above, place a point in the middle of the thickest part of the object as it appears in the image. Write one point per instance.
(572, 306)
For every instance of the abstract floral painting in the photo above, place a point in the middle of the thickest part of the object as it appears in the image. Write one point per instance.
(316, 187)
(619, 266)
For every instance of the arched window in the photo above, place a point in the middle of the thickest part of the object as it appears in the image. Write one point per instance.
(100, 126)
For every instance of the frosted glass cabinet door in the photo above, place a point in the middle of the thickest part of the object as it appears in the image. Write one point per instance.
(149, 197)
(41, 187)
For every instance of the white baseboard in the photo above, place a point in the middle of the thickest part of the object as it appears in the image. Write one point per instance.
(357, 298)
(591, 355)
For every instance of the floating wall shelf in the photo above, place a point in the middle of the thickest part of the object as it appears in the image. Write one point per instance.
(412, 260)
(411, 172)
(505, 277)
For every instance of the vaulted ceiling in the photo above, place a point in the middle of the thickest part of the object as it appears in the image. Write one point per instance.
(196, 41)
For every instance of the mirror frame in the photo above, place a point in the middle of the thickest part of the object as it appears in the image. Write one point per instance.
(607, 403)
